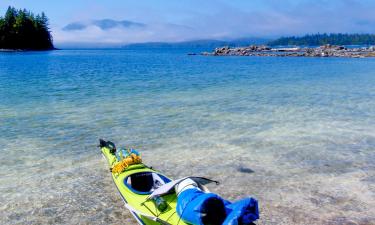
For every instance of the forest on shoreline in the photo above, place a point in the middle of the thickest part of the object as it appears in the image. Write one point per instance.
(324, 39)
(22, 30)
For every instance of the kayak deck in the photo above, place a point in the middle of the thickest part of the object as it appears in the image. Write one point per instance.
(140, 207)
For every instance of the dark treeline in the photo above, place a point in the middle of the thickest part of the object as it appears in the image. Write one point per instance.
(323, 39)
(21, 29)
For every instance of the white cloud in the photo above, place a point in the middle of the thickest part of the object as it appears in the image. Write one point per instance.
(228, 21)
(119, 35)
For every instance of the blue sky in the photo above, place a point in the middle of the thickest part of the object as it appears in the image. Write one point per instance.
(75, 21)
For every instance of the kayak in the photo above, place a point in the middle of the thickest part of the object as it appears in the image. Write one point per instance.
(134, 191)
(152, 197)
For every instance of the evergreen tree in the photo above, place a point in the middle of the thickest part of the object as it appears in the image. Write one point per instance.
(20, 29)
(323, 39)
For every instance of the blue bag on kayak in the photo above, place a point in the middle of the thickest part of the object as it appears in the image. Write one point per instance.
(244, 211)
(200, 208)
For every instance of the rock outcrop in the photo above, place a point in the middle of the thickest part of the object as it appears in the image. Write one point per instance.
(322, 51)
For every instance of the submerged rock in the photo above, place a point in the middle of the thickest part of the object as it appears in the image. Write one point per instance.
(245, 170)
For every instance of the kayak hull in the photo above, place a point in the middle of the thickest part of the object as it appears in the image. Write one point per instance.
(143, 210)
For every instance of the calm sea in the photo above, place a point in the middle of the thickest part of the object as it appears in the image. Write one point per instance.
(296, 133)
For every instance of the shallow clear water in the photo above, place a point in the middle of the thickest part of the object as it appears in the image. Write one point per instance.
(305, 126)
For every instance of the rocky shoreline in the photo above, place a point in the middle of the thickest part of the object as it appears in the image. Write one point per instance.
(322, 51)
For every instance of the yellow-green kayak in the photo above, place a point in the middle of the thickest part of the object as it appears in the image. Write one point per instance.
(153, 198)
(135, 184)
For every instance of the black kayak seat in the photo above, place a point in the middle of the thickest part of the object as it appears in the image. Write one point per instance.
(145, 182)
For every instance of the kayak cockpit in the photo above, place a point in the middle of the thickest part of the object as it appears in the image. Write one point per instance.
(144, 183)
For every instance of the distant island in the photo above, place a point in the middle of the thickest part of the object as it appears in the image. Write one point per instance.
(22, 30)
(321, 51)
(314, 45)
(325, 39)
(204, 43)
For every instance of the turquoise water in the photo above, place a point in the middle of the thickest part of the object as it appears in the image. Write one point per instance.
(304, 126)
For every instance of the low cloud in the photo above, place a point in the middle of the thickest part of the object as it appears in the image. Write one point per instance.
(74, 26)
(121, 32)
(227, 21)
(104, 24)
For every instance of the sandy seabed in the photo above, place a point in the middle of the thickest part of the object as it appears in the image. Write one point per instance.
(297, 134)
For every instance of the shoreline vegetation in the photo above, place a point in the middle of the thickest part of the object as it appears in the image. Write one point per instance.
(325, 39)
(21, 30)
(321, 51)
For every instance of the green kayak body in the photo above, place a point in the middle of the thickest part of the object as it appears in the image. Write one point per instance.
(135, 192)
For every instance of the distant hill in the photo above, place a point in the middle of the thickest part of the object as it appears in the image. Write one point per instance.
(200, 43)
(103, 24)
(323, 39)
(20, 29)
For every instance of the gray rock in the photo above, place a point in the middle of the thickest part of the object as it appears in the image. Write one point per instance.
(321, 51)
